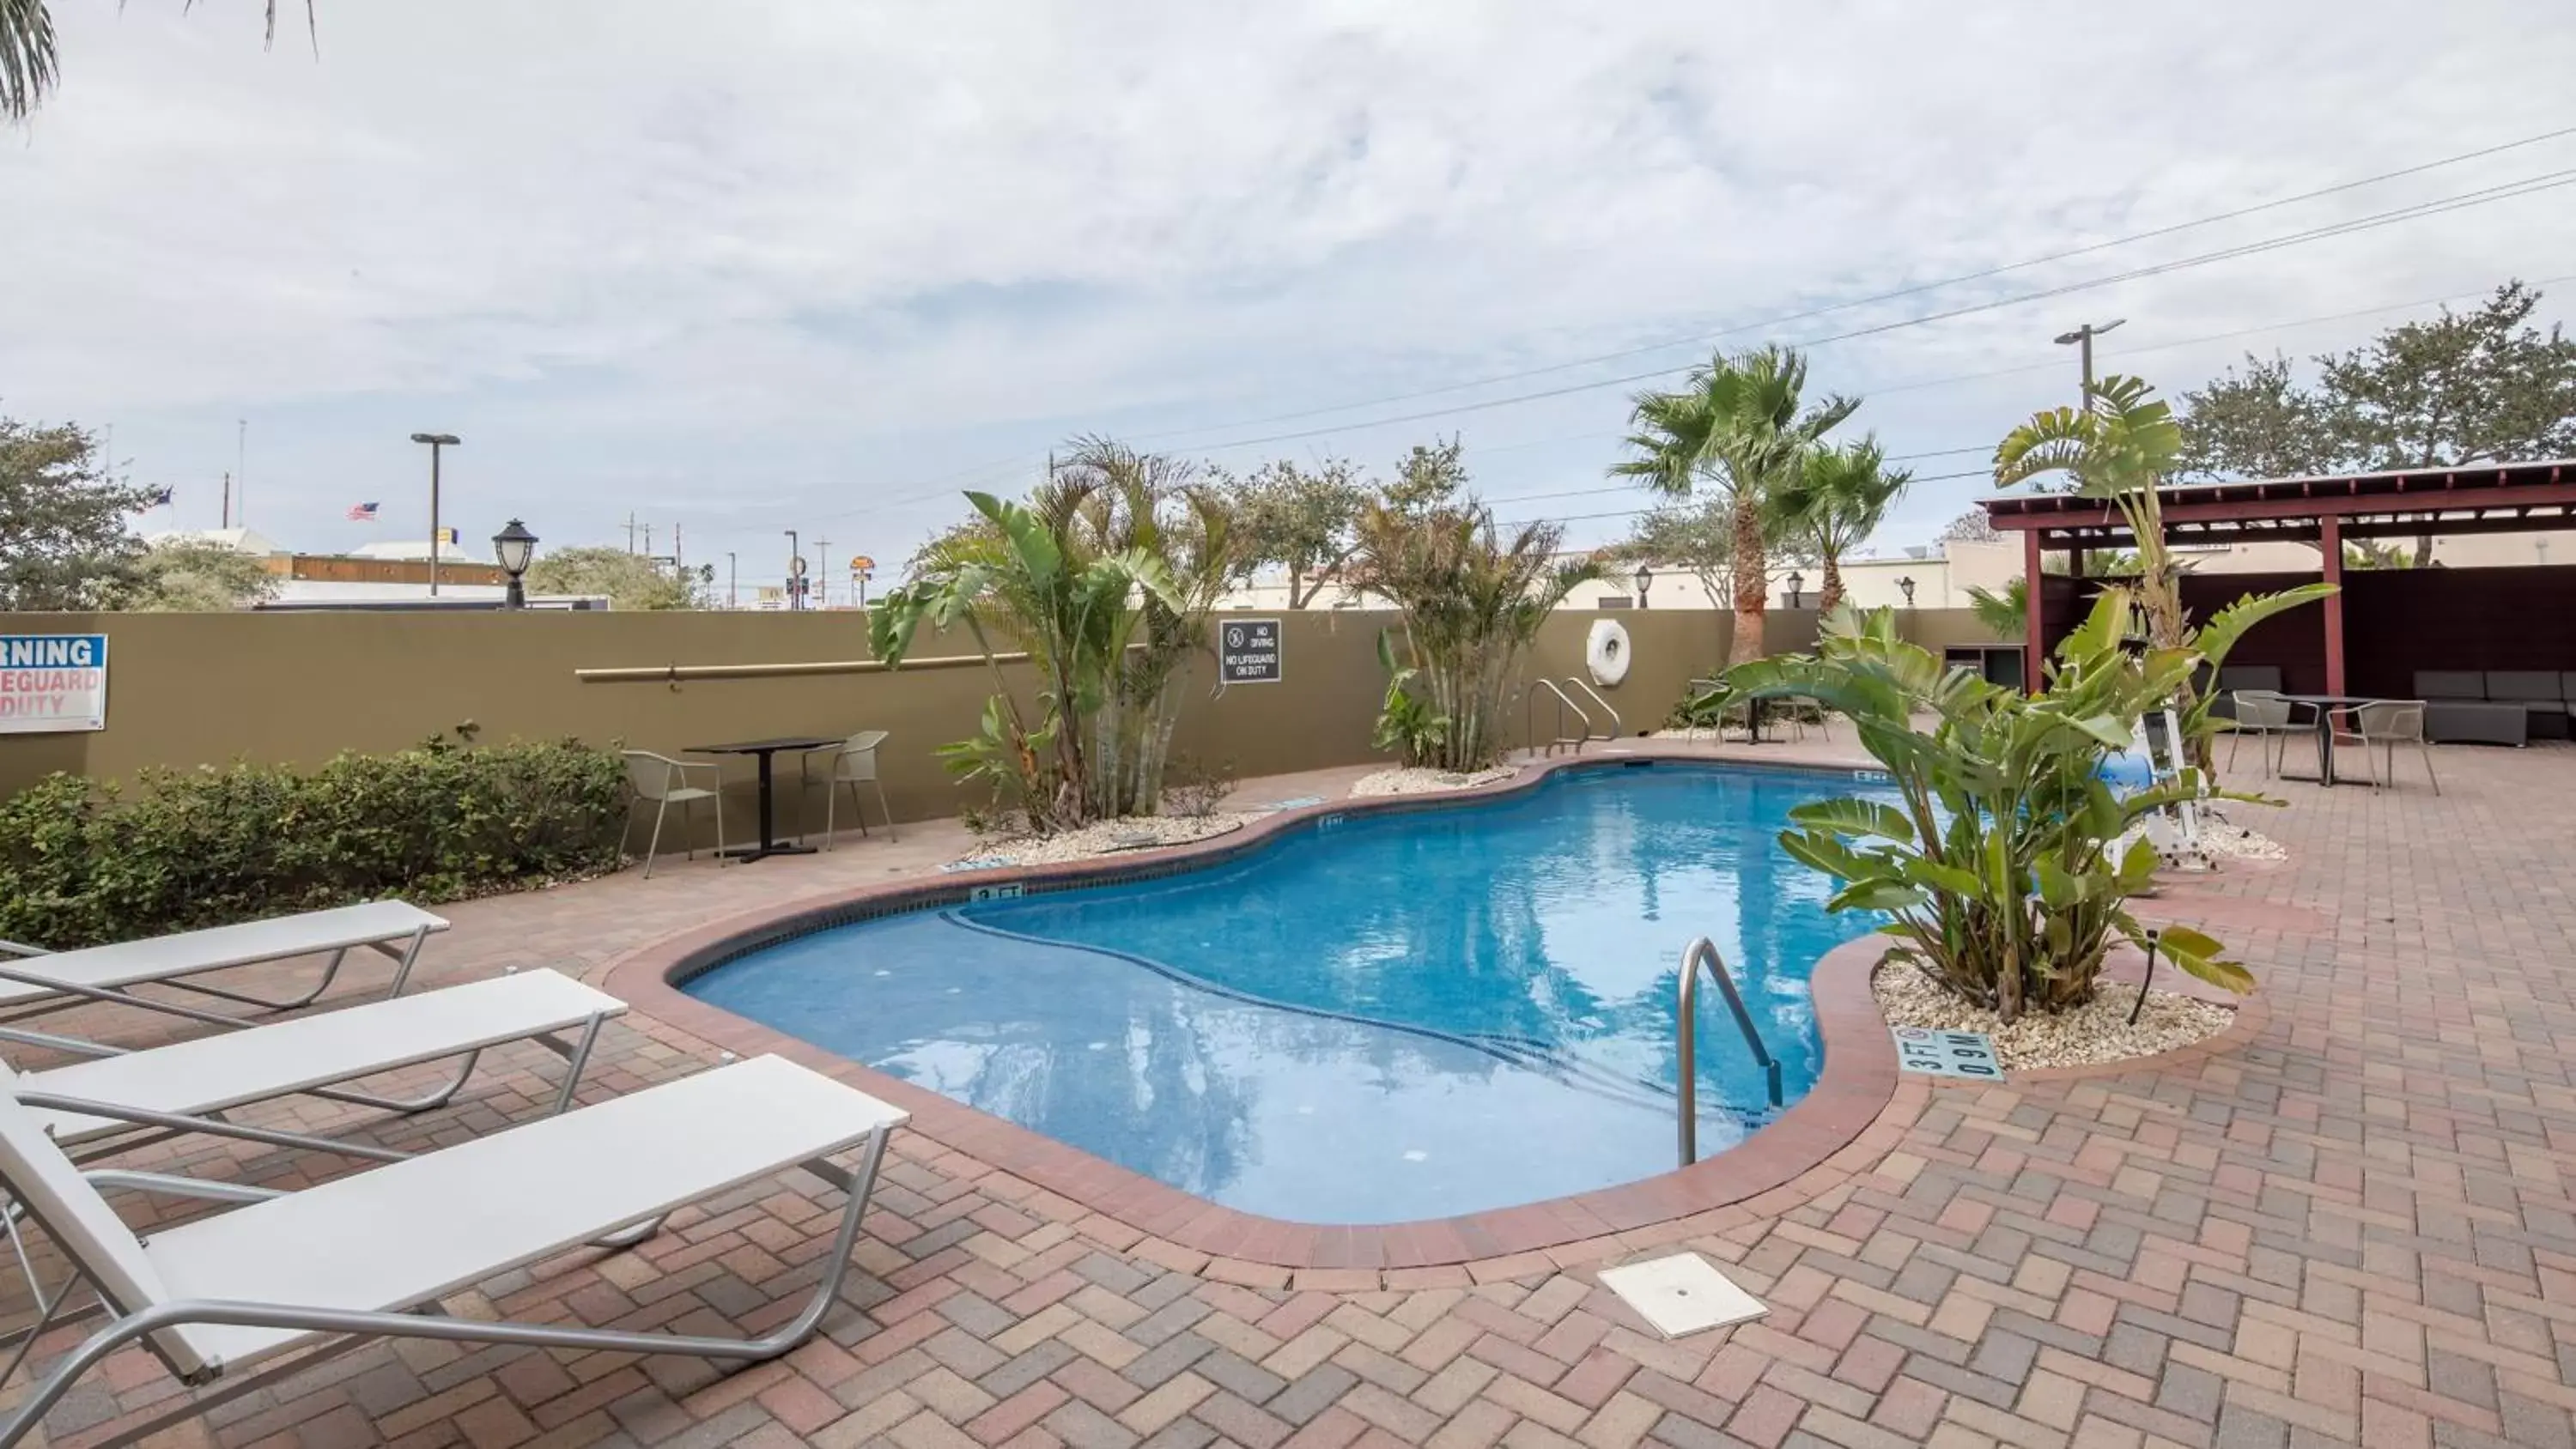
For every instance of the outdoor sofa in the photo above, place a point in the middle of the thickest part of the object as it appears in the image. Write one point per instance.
(2496, 706)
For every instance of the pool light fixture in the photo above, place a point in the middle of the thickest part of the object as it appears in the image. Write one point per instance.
(514, 546)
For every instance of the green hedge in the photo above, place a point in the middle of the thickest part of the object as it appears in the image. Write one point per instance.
(81, 864)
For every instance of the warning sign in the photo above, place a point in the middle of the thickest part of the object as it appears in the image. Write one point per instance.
(52, 683)
(1248, 651)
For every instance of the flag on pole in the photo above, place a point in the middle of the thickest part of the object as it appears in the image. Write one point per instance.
(161, 497)
(445, 535)
(363, 512)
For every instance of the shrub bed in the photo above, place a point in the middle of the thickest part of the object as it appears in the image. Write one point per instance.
(82, 864)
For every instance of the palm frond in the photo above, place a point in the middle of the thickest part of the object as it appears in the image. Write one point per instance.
(28, 64)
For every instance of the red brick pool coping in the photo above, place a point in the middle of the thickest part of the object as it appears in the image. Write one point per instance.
(1815, 1145)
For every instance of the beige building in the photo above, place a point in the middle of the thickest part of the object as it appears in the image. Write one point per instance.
(1941, 573)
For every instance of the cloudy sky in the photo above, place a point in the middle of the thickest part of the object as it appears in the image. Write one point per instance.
(818, 266)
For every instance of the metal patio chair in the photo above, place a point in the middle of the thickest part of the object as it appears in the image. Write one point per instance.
(2389, 723)
(2271, 719)
(853, 762)
(665, 782)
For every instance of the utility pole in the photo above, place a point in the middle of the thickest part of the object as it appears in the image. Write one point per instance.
(648, 540)
(2083, 337)
(733, 583)
(823, 569)
(630, 530)
(678, 561)
(436, 442)
(228, 500)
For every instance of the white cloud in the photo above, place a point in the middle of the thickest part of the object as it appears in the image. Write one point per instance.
(797, 260)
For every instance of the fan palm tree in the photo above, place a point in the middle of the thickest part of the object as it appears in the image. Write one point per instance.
(1836, 501)
(30, 67)
(1736, 426)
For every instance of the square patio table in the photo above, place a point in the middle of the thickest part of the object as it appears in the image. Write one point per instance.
(767, 750)
(2325, 706)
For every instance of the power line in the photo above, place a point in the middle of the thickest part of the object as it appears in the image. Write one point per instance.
(2503, 191)
(2485, 196)
(1914, 290)
(1633, 512)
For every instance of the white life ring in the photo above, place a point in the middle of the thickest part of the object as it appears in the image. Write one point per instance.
(1607, 652)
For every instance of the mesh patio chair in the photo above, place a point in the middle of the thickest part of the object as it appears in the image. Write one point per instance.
(665, 782)
(2272, 719)
(2389, 723)
(853, 763)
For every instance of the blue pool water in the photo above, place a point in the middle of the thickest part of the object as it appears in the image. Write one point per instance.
(1395, 1016)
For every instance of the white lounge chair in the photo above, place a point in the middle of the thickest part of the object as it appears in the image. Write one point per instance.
(50, 980)
(223, 1295)
(178, 1087)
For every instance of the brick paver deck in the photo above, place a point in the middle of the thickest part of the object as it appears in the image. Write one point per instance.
(2356, 1228)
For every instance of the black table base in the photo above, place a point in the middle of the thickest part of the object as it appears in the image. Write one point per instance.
(766, 751)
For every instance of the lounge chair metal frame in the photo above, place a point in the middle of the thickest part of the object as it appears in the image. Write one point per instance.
(404, 951)
(356, 1327)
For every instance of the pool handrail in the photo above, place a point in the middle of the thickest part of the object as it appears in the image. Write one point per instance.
(1702, 952)
(1607, 707)
(1529, 713)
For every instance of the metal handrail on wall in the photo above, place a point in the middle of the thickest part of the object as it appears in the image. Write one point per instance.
(1529, 719)
(1701, 952)
(1607, 708)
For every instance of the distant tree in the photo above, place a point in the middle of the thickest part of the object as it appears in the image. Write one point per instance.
(2465, 388)
(1696, 535)
(192, 576)
(64, 543)
(1300, 519)
(630, 580)
(1428, 477)
(1972, 526)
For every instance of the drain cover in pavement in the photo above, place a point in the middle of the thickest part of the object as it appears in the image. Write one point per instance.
(1681, 1294)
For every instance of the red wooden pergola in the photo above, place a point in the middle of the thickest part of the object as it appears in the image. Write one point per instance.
(2488, 498)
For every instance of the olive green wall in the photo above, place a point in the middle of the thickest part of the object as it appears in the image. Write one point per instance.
(192, 689)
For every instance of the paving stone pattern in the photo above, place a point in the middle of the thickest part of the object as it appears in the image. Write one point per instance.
(2356, 1229)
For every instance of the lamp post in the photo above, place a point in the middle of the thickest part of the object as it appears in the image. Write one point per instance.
(1645, 577)
(2083, 337)
(514, 546)
(795, 571)
(436, 441)
(1797, 585)
(1906, 586)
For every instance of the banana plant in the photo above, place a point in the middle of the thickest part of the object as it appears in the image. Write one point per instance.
(2006, 863)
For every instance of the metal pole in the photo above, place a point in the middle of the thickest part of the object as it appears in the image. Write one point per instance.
(823, 568)
(733, 587)
(795, 595)
(434, 451)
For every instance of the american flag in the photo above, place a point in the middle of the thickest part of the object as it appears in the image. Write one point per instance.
(363, 512)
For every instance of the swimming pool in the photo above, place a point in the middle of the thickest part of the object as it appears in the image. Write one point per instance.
(1376, 1018)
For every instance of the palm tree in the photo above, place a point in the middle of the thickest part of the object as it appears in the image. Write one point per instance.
(1736, 426)
(1838, 500)
(29, 66)
(2006, 615)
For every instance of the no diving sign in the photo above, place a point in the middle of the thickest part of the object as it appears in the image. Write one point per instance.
(1965, 1054)
(1248, 651)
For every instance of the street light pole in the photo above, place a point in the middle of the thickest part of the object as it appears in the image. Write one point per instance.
(795, 555)
(2083, 337)
(733, 590)
(436, 442)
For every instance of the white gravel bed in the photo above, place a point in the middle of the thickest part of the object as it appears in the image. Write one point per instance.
(2236, 842)
(1106, 837)
(1414, 780)
(2087, 1036)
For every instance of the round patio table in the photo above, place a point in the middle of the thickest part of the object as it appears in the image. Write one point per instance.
(768, 844)
(2325, 705)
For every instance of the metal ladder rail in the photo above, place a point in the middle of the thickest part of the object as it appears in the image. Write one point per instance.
(1701, 952)
(1529, 719)
(1607, 707)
